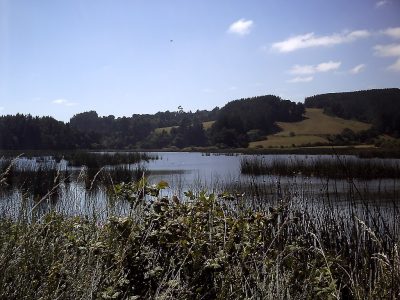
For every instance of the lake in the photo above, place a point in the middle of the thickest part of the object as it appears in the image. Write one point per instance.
(83, 191)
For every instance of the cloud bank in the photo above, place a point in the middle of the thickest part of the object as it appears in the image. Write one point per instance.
(310, 40)
(393, 32)
(390, 50)
(312, 69)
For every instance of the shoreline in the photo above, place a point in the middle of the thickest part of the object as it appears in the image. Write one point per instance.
(356, 150)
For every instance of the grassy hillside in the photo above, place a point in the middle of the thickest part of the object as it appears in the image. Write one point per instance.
(167, 129)
(380, 107)
(206, 125)
(274, 141)
(318, 123)
(313, 129)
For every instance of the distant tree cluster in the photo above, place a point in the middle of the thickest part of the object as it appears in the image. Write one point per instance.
(349, 137)
(189, 132)
(27, 132)
(237, 123)
(138, 131)
(240, 119)
(114, 133)
(88, 130)
(380, 107)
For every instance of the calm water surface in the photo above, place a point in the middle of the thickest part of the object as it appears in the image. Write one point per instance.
(210, 172)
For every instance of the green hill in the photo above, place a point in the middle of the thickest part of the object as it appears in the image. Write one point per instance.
(380, 107)
(313, 129)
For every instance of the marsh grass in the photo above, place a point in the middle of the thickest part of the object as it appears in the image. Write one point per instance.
(336, 167)
(37, 175)
(36, 179)
(100, 159)
(81, 157)
(254, 240)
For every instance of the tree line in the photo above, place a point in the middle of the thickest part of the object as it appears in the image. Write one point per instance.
(237, 123)
(20, 132)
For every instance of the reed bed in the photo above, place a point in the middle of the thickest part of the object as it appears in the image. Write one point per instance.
(38, 174)
(336, 167)
(100, 159)
(255, 239)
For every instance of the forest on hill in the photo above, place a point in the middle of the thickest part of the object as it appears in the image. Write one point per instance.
(235, 125)
(380, 107)
(245, 120)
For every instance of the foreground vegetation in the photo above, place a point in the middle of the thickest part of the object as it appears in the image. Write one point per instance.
(205, 246)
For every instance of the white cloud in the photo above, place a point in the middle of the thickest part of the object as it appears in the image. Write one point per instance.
(395, 66)
(390, 50)
(310, 40)
(393, 32)
(381, 3)
(301, 79)
(241, 27)
(328, 66)
(357, 69)
(312, 69)
(305, 69)
(64, 102)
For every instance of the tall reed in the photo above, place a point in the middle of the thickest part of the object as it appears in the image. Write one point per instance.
(336, 167)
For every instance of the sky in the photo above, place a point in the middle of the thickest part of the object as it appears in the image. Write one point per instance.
(60, 58)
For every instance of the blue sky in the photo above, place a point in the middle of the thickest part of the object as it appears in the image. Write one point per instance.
(60, 58)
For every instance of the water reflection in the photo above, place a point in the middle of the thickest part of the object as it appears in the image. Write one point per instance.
(42, 184)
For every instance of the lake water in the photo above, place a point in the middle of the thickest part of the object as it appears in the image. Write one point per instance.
(185, 170)
(215, 173)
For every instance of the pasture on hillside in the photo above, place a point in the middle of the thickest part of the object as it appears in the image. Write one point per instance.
(313, 129)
